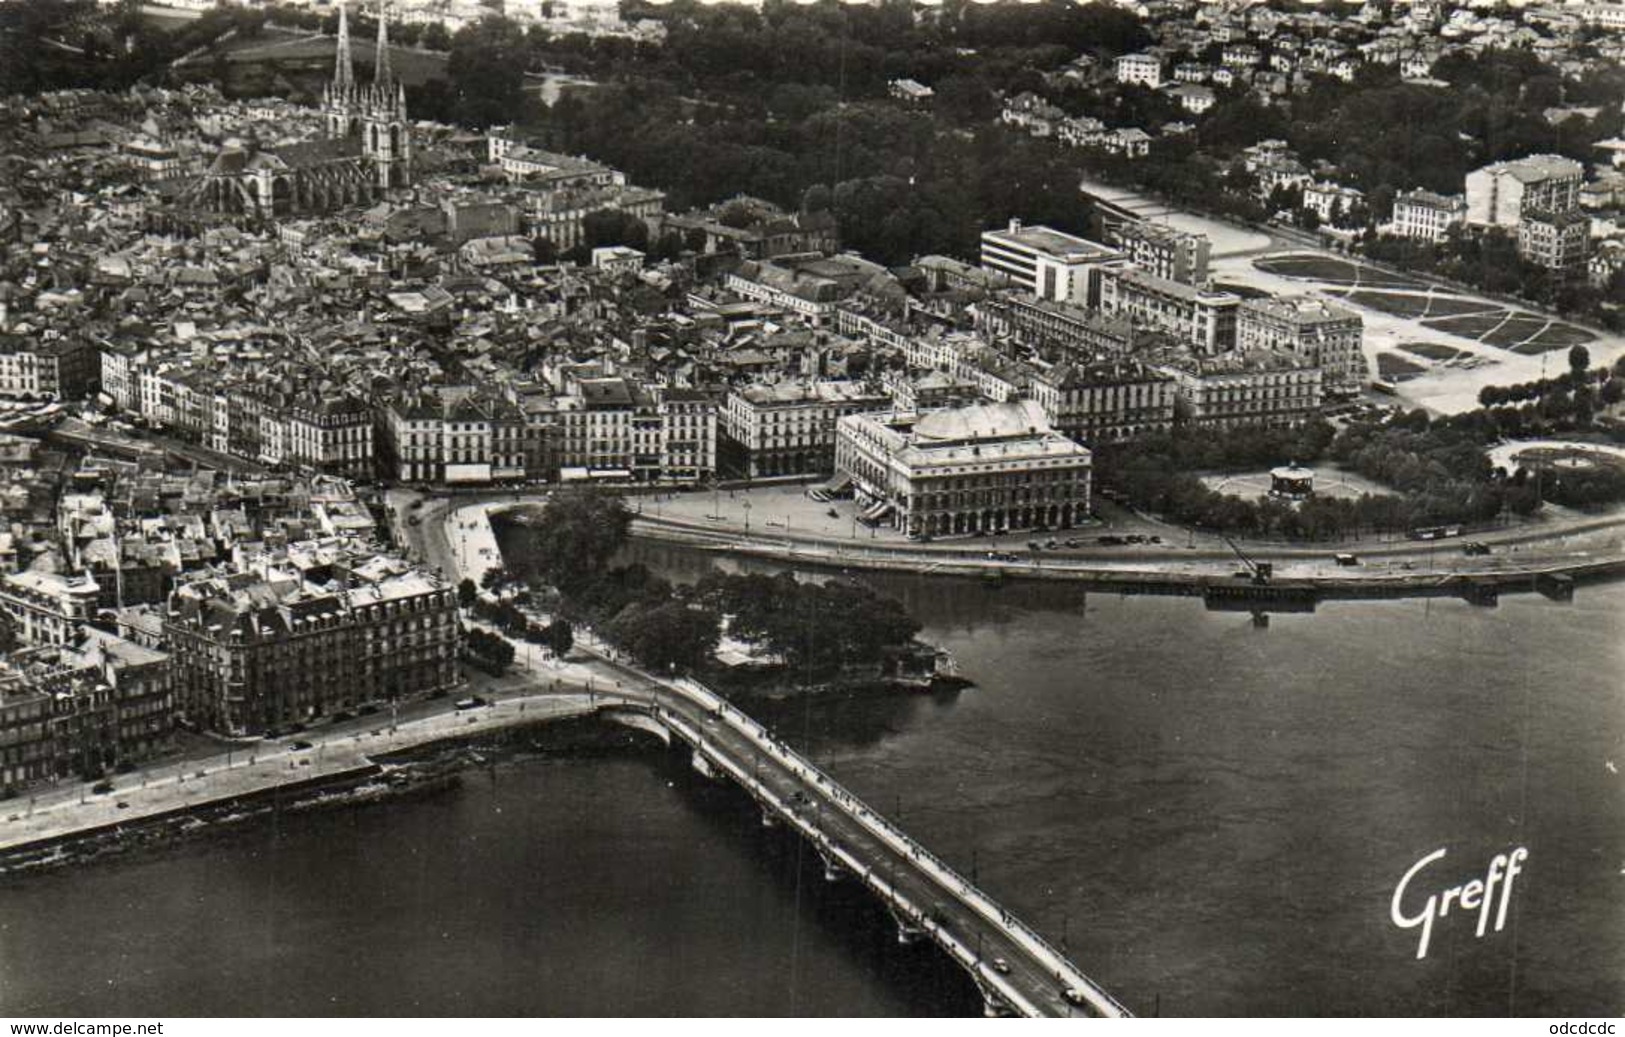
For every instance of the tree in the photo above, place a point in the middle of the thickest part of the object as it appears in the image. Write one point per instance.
(577, 534)
(559, 637)
(495, 579)
(467, 593)
(1579, 361)
(670, 635)
(486, 69)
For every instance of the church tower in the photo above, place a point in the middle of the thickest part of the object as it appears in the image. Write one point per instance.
(385, 133)
(339, 97)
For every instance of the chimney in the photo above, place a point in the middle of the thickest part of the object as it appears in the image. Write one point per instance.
(1015, 225)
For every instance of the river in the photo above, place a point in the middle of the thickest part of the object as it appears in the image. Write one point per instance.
(1211, 816)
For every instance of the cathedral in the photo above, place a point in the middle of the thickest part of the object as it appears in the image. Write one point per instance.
(366, 152)
(376, 114)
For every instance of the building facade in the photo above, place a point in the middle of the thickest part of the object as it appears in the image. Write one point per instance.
(1499, 194)
(1200, 318)
(1314, 332)
(1426, 216)
(790, 429)
(258, 650)
(1244, 390)
(988, 468)
(1560, 242)
(1102, 402)
(1048, 263)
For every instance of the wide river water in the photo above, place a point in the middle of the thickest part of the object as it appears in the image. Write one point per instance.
(1212, 816)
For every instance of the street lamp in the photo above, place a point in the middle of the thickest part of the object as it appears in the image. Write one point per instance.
(747, 516)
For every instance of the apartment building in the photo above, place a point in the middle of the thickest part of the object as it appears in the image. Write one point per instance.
(1314, 332)
(1426, 216)
(60, 367)
(1558, 241)
(77, 711)
(789, 429)
(1198, 317)
(255, 650)
(1240, 389)
(1164, 251)
(1140, 70)
(1499, 194)
(1082, 334)
(1100, 402)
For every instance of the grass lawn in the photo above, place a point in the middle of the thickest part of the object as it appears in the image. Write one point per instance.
(1558, 336)
(1444, 306)
(1514, 331)
(1391, 367)
(1383, 302)
(1471, 326)
(1332, 271)
(1432, 350)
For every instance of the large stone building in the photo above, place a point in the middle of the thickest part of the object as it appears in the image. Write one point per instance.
(1500, 194)
(790, 429)
(1426, 216)
(1104, 401)
(1164, 251)
(988, 468)
(1259, 389)
(48, 608)
(259, 649)
(1316, 333)
(367, 151)
(78, 710)
(1558, 241)
(1199, 318)
(1079, 333)
(1048, 263)
(61, 367)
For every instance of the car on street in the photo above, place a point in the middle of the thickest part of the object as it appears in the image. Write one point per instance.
(1001, 966)
(1475, 547)
(301, 744)
(102, 788)
(1073, 996)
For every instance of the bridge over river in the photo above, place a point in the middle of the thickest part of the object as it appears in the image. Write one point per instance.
(1016, 971)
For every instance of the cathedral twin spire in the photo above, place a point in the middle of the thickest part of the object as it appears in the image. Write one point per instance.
(383, 77)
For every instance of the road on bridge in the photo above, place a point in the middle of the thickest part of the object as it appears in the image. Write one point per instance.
(994, 936)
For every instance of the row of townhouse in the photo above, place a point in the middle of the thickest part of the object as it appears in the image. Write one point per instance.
(78, 710)
(331, 434)
(66, 368)
(598, 427)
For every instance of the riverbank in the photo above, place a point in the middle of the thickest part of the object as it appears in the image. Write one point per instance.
(151, 804)
(1583, 547)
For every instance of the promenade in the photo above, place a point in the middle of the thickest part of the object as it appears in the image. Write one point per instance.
(782, 522)
(261, 765)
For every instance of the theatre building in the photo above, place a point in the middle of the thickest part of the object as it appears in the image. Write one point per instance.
(992, 467)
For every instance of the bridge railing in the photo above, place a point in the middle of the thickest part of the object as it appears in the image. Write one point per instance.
(900, 840)
(879, 825)
(956, 948)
